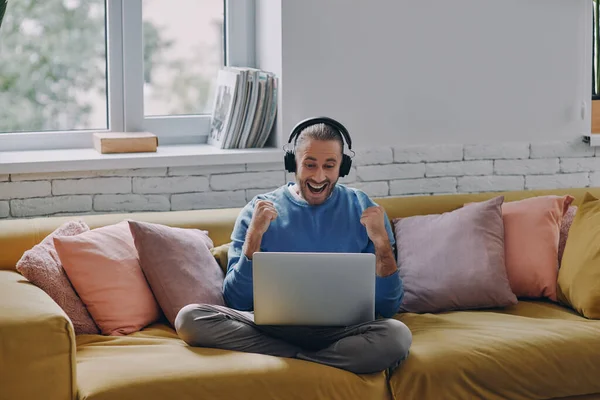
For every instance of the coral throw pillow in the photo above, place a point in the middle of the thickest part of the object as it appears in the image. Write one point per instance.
(42, 267)
(455, 260)
(103, 266)
(178, 265)
(531, 239)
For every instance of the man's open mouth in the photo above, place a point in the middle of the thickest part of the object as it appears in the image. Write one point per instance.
(316, 189)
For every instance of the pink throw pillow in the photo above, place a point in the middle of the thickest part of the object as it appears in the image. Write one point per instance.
(178, 265)
(42, 267)
(103, 266)
(532, 232)
(564, 231)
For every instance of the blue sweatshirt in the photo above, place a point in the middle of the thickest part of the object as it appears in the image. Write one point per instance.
(333, 226)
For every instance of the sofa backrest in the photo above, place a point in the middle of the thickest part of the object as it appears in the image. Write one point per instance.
(423, 205)
(19, 235)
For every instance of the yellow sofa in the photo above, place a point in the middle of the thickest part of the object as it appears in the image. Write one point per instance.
(534, 350)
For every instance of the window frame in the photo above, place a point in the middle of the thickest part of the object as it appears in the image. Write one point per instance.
(125, 92)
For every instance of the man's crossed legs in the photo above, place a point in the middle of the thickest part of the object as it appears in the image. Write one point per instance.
(364, 348)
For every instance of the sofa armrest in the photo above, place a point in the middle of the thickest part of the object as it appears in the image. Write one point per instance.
(37, 343)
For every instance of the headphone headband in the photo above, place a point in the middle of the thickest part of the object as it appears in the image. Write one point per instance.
(321, 120)
(290, 158)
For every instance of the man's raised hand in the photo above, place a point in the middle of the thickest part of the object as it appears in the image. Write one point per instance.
(373, 219)
(264, 213)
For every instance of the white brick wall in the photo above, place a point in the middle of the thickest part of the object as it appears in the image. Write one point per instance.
(216, 169)
(191, 201)
(473, 184)
(497, 151)
(40, 206)
(390, 172)
(170, 184)
(423, 186)
(263, 167)
(557, 181)
(586, 164)
(131, 202)
(375, 189)
(435, 153)
(384, 155)
(247, 180)
(4, 209)
(560, 149)
(91, 186)
(89, 174)
(460, 168)
(527, 167)
(20, 190)
(595, 179)
(380, 172)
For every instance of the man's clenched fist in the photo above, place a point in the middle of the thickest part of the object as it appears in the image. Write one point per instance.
(264, 213)
(373, 219)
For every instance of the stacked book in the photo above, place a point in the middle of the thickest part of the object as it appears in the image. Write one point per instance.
(244, 109)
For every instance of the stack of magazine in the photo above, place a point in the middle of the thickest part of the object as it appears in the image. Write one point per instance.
(244, 109)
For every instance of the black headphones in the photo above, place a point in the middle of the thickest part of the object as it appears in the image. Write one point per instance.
(290, 158)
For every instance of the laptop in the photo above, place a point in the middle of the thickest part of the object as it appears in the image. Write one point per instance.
(313, 289)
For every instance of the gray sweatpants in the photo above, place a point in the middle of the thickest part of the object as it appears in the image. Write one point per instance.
(365, 348)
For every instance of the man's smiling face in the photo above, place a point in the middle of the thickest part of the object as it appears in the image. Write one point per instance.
(317, 170)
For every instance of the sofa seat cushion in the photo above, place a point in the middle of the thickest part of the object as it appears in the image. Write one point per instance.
(155, 364)
(533, 350)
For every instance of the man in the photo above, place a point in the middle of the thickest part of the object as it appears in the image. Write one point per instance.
(316, 214)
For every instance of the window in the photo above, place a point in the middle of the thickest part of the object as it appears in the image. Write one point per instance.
(53, 66)
(74, 67)
(179, 67)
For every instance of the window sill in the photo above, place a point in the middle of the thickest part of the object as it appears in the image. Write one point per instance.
(12, 162)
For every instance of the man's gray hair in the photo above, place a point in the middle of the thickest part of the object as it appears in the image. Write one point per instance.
(323, 132)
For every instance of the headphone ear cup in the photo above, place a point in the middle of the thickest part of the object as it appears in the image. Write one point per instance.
(346, 165)
(289, 161)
